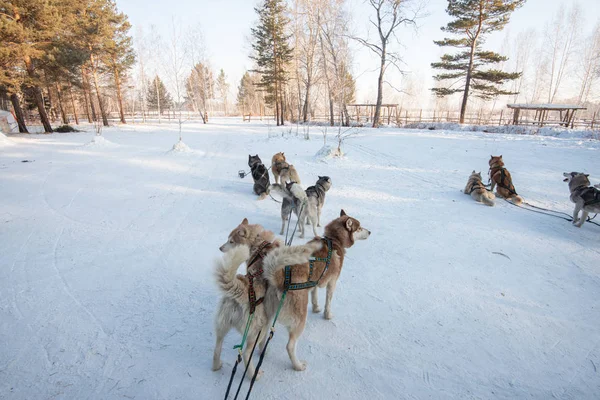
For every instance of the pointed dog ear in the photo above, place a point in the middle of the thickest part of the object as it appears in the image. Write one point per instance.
(473, 172)
(500, 156)
(587, 175)
(342, 213)
(245, 221)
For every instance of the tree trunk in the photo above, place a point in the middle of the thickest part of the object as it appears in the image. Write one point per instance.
(73, 104)
(14, 99)
(37, 95)
(61, 105)
(98, 95)
(331, 116)
(463, 106)
(86, 94)
(379, 89)
(306, 101)
(157, 98)
(119, 98)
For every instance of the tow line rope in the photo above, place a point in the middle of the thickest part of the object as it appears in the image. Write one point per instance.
(541, 210)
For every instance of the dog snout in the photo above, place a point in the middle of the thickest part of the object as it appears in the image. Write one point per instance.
(222, 248)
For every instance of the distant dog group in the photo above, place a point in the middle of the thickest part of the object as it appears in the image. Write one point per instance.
(585, 196)
(271, 266)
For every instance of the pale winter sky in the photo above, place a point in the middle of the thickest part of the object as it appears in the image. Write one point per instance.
(226, 27)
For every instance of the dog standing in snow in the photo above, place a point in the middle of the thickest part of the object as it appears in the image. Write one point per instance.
(585, 197)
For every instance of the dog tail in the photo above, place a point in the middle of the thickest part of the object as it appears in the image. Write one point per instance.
(282, 256)
(516, 199)
(277, 188)
(487, 198)
(226, 268)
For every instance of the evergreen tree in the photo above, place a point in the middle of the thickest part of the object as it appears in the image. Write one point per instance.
(272, 52)
(119, 56)
(473, 20)
(223, 88)
(249, 100)
(163, 100)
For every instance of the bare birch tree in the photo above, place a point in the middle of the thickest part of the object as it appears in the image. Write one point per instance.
(590, 67)
(390, 15)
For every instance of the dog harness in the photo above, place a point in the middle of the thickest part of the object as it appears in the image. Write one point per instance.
(287, 283)
(590, 195)
(477, 185)
(510, 187)
(258, 255)
(315, 190)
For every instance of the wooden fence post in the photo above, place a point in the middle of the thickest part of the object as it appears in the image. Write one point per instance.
(593, 118)
(500, 122)
(421, 113)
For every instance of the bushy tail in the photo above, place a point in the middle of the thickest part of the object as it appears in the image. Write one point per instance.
(226, 273)
(280, 257)
(516, 199)
(487, 198)
(282, 191)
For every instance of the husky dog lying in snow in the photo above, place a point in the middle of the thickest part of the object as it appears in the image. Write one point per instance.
(477, 190)
(584, 196)
(307, 205)
(260, 174)
(501, 177)
(248, 243)
(233, 309)
(278, 163)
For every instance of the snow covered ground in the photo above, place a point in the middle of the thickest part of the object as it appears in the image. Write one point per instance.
(106, 287)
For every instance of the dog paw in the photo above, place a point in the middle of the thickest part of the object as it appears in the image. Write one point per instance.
(217, 366)
(328, 314)
(301, 236)
(319, 225)
(259, 375)
(301, 366)
(316, 309)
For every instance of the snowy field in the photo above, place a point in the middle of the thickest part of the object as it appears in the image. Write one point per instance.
(106, 286)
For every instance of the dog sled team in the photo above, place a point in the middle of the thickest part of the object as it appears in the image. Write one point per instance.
(279, 277)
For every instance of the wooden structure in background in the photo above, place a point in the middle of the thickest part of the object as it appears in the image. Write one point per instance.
(369, 111)
(565, 118)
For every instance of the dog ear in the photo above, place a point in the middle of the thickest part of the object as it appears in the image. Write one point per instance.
(342, 213)
(500, 156)
(349, 224)
(587, 175)
(245, 221)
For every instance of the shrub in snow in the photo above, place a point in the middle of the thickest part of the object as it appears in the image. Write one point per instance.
(65, 128)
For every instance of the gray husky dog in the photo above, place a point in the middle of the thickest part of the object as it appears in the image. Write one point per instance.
(260, 175)
(585, 197)
(307, 205)
(477, 190)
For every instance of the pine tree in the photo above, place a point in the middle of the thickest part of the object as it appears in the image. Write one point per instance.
(119, 56)
(272, 52)
(473, 20)
(223, 88)
(163, 100)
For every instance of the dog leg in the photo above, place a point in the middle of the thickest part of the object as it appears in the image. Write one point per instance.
(493, 185)
(301, 219)
(221, 331)
(330, 290)
(283, 220)
(251, 339)
(318, 216)
(295, 333)
(275, 176)
(315, 300)
(584, 215)
(576, 213)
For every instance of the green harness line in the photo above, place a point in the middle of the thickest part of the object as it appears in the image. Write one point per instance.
(287, 285)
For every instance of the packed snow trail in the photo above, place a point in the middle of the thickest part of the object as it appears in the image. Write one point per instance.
(106, 287)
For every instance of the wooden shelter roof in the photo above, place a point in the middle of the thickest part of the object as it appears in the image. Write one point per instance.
(557, 107)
